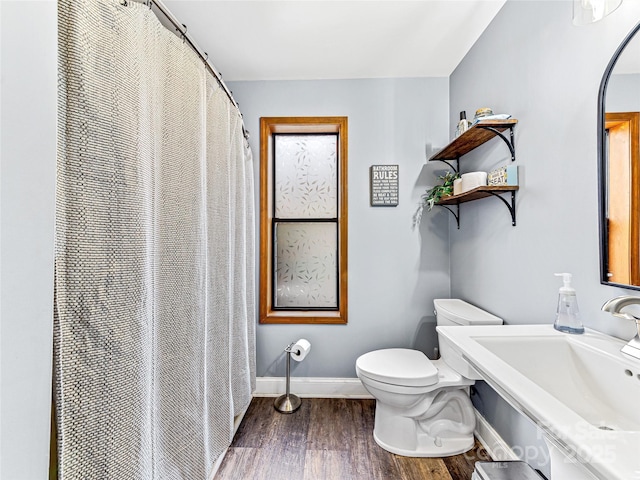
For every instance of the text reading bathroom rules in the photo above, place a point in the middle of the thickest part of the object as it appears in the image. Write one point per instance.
(384, 185)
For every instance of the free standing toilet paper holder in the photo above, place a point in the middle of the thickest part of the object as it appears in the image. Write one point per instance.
(288, 403)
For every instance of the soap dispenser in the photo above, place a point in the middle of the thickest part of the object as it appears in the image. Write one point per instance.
(568, 315)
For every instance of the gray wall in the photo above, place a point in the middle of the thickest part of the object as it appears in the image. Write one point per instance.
(547, 76)
(623, 92)
(531, 62)
(394, 272)
(28, 160)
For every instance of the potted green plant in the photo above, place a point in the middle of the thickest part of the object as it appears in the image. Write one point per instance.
(434, 195)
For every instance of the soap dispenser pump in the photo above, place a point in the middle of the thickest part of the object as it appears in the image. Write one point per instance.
(568, 315)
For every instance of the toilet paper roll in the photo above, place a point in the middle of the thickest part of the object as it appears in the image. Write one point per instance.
(457, 186)
(472, 180)
(300, 350)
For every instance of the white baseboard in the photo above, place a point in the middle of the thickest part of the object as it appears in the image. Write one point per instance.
(493, 443)
(311, 387)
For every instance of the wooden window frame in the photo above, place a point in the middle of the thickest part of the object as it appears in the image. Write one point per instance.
(301, 125)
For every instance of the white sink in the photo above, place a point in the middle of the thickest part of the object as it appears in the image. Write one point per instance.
(579, 389)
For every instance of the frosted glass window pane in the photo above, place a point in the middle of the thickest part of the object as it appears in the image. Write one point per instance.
(306, 269)
(306, 176)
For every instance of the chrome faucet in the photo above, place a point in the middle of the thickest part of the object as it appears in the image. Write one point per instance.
(614, 307)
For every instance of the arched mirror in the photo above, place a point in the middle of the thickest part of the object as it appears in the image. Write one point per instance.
(619, 166)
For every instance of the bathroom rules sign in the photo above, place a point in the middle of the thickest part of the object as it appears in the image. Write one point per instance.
(383, 181)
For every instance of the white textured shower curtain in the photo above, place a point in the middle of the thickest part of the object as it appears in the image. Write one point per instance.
(154, 294)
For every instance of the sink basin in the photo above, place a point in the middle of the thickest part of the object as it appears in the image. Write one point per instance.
(585, 379)
(579, 389)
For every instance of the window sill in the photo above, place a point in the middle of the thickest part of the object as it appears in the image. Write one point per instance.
(300, 317)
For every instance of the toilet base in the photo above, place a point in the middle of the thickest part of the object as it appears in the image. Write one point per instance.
(427, 448)
(438, 424)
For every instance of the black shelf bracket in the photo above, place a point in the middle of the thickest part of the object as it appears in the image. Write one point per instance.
(509, 141)
(512, 207)
(456, 214)
(455, 169)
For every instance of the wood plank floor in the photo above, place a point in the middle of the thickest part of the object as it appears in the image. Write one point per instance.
(327, 439)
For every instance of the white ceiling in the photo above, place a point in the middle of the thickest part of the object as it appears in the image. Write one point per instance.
(331, 39)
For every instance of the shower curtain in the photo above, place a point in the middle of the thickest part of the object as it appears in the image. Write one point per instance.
(154, 295)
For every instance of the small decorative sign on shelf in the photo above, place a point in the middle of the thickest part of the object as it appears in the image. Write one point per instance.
(503, 176)
(383, 185)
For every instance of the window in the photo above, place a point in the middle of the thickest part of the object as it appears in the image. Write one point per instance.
(303, 220)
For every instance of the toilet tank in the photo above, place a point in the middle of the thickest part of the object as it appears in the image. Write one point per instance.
(453, 311)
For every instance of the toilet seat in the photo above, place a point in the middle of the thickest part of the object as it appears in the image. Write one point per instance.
(398, 366)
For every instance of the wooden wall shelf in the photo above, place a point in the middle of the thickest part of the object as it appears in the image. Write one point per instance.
(476, 194)
(480, 133)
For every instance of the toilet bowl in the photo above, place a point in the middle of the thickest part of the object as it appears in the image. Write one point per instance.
(422, 406)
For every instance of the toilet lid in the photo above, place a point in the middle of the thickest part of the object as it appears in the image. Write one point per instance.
(398, 366)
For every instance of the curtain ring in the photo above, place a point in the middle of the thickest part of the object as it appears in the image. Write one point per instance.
(124, 3)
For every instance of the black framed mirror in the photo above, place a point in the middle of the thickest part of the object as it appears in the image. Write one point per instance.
(619, 166)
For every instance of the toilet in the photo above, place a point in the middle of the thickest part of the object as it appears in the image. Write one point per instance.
(422, 406)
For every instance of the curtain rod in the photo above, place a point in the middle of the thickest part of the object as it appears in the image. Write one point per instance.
(182, 28)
